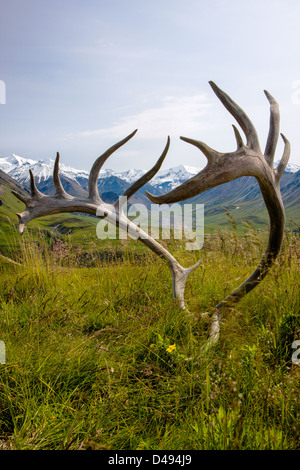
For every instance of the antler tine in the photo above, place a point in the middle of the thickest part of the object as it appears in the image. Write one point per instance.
(35, 193)
(273, 130)
(210, 153)
(189, 186)
(239, 140)
(59, 190)
(93, 178)
(21, 225)
(20, 197)
(284, 159)
(239, 115)
(147, 176)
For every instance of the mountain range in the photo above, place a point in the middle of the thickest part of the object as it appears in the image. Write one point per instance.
(241, 197)
(18, 168)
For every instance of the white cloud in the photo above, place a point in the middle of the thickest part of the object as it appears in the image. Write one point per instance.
(176, 116)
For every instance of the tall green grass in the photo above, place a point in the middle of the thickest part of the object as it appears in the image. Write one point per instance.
(99, 355)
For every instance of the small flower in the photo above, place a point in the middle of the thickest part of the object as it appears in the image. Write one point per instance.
(171, 348)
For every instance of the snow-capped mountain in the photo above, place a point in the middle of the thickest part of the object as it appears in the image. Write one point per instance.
(174, 176)
(12, 164)
(290, 168)
(18, 168)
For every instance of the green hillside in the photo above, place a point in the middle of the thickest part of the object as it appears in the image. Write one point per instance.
(80, 227)
(235, 205)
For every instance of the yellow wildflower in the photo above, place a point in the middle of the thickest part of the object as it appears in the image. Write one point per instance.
(171, 348)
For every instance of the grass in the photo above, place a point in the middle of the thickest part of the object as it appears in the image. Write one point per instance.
(99, 355)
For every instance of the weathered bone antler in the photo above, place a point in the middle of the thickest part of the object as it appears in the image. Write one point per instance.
(247, 160)
(38, 205)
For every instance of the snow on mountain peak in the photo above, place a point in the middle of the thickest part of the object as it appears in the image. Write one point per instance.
(174, 176)
(290, 168)
(16, 160)
(18, 168)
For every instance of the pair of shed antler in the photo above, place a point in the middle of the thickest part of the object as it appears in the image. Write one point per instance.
(247, 160)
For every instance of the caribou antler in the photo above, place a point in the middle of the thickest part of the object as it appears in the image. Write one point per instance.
(38, 205)
(247, 160)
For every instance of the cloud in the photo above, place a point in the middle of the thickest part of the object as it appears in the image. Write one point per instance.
(175, 116)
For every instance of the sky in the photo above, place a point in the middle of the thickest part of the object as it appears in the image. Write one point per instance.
(77, 76)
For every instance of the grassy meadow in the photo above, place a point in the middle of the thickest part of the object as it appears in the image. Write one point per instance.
(99, 355)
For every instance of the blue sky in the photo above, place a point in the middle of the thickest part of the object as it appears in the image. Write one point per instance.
(81, 75)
